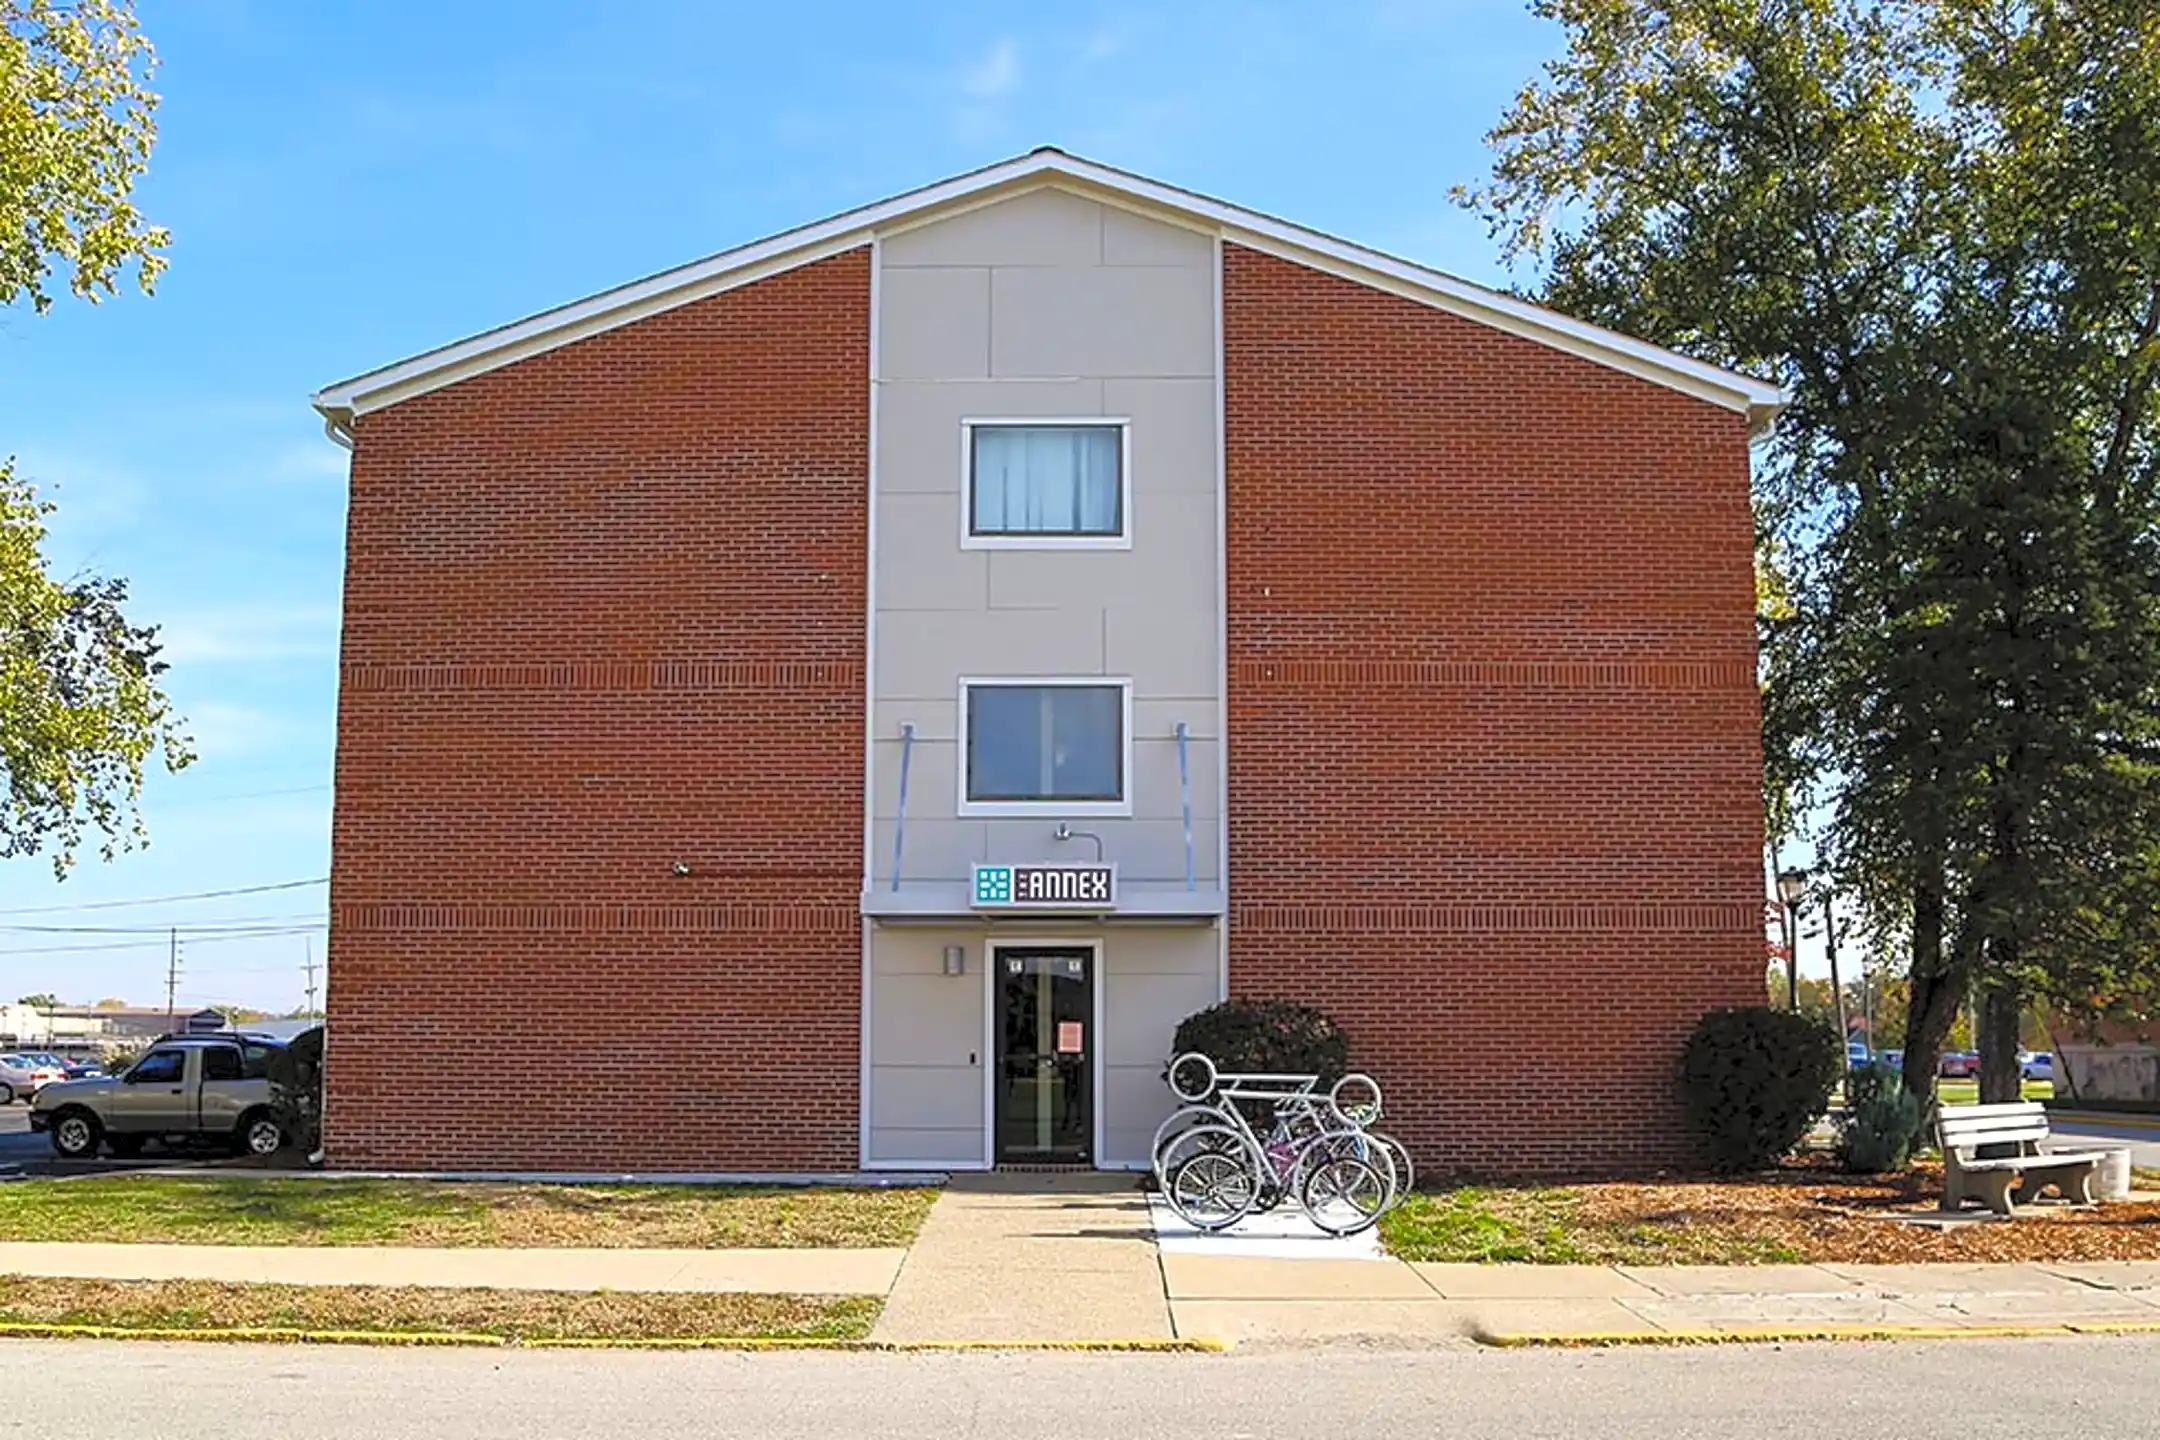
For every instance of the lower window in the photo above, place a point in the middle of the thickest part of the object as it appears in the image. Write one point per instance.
(1037, 743)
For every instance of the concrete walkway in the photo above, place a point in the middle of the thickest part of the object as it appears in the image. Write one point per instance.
(797, 1272)
(1305, 1301)
(1031, 1257)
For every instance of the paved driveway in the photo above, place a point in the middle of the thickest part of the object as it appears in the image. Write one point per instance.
(2143, 1140)
(25, 1154)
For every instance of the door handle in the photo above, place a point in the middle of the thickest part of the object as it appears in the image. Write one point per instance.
(176, 1090)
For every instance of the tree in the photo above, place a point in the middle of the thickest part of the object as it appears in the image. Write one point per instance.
(81, 706)
(76, 128)
(1935, 222)
(111, 1002)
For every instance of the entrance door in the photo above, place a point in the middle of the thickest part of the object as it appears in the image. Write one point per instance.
(1045, 1081)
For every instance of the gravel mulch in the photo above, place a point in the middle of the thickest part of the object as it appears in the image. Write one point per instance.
(1806, 1210)
(1820, 1214)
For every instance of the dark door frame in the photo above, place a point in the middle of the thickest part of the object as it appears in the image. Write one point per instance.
(993, 980)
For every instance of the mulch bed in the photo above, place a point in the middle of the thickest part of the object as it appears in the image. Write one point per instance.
(1819, 1213)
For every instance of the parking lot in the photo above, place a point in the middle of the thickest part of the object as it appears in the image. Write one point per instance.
(25, 1154)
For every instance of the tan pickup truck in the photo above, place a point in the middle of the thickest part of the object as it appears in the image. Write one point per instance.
(185, 1088)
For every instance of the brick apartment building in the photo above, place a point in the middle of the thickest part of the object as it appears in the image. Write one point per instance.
(842, 702)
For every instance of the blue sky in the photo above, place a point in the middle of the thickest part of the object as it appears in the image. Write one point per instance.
(348, 184)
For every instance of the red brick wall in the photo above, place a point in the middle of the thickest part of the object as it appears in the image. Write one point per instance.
(604, 612)
(1494, 745)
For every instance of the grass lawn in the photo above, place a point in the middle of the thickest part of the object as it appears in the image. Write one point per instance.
(511, 1314)
(1967, 1092)
(1549, 1227)
(1805, 1210)
(247, 1210)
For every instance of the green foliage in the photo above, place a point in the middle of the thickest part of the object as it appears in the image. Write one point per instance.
(1882, 1121)
(1937, 224)
(1754, 1079)
(76, 129)
(296, 1089)
(43, 1000)
(81, 706)
(1266, 1036)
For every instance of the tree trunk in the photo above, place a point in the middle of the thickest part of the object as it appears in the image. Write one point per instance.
(2001, 1081)
(1938, 989)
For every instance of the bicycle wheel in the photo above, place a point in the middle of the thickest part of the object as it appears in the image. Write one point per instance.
(1347, 1144)
(1214, 1188)
(1343, 1195)
(1405, 1172)
(1166, 1151)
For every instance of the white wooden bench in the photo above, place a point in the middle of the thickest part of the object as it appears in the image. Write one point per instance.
(1963, 1129)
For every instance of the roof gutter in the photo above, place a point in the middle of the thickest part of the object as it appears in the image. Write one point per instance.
(336, 423)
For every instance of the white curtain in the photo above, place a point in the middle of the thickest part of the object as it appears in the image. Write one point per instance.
(1046, 480)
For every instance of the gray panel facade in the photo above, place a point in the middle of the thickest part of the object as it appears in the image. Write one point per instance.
(1044, 306)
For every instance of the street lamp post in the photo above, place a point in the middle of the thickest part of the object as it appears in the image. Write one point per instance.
(1791, 885)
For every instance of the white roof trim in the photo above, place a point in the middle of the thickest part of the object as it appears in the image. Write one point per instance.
(1759, 400)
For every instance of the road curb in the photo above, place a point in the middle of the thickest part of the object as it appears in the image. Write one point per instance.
(2123, 1119)
(34, 1330)
(1777, 1334)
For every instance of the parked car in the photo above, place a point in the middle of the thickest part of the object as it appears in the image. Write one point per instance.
(83, 1069)
(2037, 1065)
(1960, 1064)
(185, 1088)
(1891, 1059)
(1857, 1054)
(21, 1077)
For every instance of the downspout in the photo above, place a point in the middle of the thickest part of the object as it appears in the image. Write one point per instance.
(899, 837)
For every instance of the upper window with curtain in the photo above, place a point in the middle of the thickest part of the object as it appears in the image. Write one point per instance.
(1046, 483)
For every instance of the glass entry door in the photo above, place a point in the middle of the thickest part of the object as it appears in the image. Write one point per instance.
(1045, 1081)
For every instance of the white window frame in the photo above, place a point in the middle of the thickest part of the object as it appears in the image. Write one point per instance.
(969, 540)
(1022, 809)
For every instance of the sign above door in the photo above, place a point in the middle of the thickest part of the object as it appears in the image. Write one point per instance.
(1043, 887)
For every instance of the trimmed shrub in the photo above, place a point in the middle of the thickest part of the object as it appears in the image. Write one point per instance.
(296, 1081)
(1272, 1036)
(1882, 1121)
(1755, 1079)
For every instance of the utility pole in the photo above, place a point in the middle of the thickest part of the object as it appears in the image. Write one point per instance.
(1837, 991)
(310, 977)
(172, 976)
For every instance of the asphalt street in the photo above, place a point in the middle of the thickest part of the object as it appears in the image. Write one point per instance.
(1916, 1391)
(2143, 1140)
(24, 1152)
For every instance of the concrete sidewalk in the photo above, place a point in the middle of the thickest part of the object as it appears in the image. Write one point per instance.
(1307, 1301)
(1031, 1257)
(795, 1272)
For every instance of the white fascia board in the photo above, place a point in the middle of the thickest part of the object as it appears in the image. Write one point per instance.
(1759, 400)
(641, 298)
(1496, 308)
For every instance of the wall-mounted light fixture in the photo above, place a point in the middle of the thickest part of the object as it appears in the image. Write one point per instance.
(681, 869)
(956, 959)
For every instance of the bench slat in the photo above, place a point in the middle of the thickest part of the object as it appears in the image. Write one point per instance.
(1960, 1135)
(2008, 1107)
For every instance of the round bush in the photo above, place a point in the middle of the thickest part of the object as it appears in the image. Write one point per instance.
(1755, 1079)
(1276, 1037)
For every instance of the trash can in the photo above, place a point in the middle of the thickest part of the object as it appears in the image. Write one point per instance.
(2112, 1180)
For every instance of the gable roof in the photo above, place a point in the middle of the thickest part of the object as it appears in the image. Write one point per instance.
(1758, 399)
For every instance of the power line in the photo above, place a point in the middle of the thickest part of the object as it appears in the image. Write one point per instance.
(151, 943)
(250, 795)
(206, 927)
(168, 899)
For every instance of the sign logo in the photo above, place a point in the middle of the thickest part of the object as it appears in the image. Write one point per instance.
(1044, 887)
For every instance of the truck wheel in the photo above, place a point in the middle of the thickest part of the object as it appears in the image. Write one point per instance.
(257, 1134)
(75, 1135)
